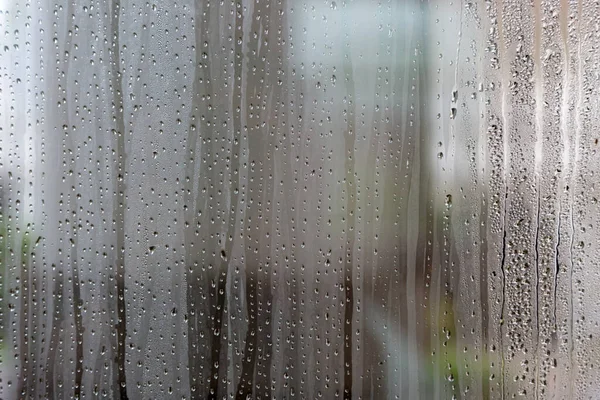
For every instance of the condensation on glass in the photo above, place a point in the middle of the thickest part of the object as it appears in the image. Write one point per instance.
(277, 199)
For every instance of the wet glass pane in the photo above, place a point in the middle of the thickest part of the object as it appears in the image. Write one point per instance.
(299, 199)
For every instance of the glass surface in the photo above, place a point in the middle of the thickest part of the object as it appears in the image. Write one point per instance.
(299, 199)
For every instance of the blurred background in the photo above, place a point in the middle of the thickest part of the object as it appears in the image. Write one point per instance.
(282, 199)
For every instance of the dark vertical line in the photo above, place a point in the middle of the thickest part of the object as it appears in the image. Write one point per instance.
(293, 121)
(57, 313)
(564, 32)
(77, 304)
(272, 52)
(98, 380)
(539, 130)
(484, 224)
(503, 301)
(579, 103)
(504, 83)
(218, 291)
(244, 389)
(483, 299)
(349, 141)
(375, 268)
(57, 318)
(202, 79)
(24, 319)
(119, 207)
(256, 202)
(38, 301)
(71, 226)
(571, 308)
(450, 327)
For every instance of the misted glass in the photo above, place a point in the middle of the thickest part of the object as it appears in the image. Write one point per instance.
(299, 199)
